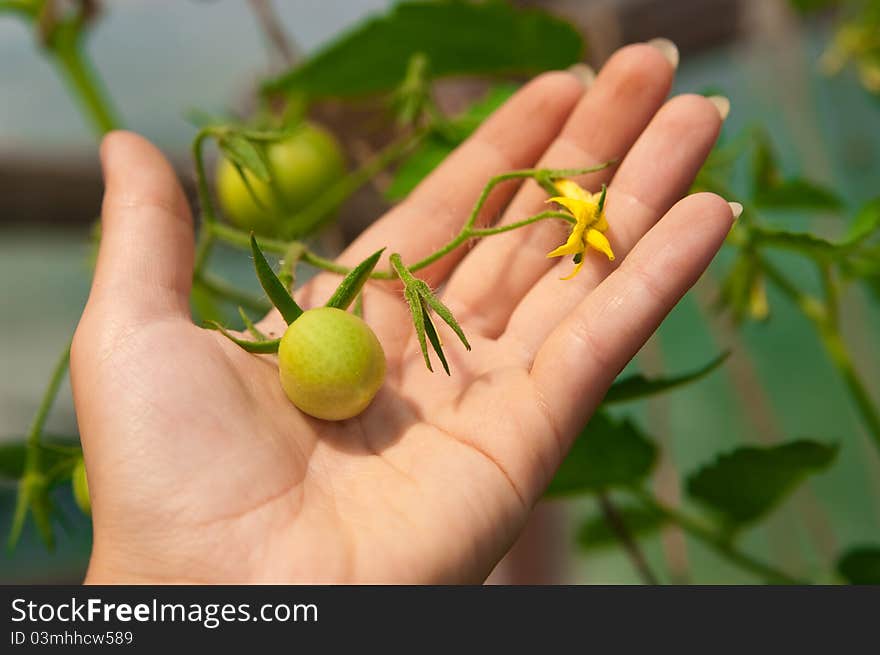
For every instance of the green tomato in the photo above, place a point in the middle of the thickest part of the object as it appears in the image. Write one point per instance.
(81, 488)
(302, 166)
(331, 364)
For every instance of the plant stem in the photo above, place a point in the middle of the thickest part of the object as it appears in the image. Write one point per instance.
(32, 458)
(823, 316)
(235, 237)
(718, 542)
(80, 77)
(26, 489)
(618, 526)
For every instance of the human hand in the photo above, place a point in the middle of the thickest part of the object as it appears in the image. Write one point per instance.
(200, 468)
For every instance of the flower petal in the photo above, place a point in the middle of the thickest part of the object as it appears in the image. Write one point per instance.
(598, 241)
(573, 190)
(583, 211)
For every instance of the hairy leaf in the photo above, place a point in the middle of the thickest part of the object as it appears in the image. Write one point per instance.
(749, 482)
(458, 38)
(607, 453)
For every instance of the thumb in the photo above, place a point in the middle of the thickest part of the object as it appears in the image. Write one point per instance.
(145, 260)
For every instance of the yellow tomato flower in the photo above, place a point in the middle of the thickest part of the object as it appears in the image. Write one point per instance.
(588, 210)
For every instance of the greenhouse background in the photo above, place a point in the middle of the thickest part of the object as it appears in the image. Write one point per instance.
(776, 385)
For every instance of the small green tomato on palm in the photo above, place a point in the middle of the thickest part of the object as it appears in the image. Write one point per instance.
(331, 363)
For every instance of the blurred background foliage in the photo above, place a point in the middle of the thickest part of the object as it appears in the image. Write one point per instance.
(759, 466)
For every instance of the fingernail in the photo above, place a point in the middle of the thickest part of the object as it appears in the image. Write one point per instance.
(668, 49)
(736, 209)
(722, 104)
(584, 73)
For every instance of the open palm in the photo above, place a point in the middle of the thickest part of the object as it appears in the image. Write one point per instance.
(200, 468)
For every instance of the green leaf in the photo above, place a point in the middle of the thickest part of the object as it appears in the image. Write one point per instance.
(861, 565)
(439, 144)
(802, 242)
(352, 283)
(263, 347)
(53, 451)
(638, 386)
(772, 191)
(273, 287)
(246, 155)
(865, 224)
(595, 533)
(797, 193)
(458, 38)
(607, 453)
(749, 482)
(808, 6)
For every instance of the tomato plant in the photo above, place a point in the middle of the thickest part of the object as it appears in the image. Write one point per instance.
(301, 167)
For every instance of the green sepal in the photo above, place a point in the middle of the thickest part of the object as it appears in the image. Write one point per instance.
(352, 284)
(245, 155)
(418, 316)
(263, 347)
(442, 311)
(420, 298)
(33, 497)
(273, 286)
(434, 338)
(251, 328)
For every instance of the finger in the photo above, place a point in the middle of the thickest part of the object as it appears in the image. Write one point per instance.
(436, 210)
(628, 91)
(145, 259)
(655, 174)
(582, 356)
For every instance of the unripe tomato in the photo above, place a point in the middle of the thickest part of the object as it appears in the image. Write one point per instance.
(331, 364)
(81, 488)
(303, 166)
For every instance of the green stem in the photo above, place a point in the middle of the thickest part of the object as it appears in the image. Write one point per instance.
(206, 204)
(80, 77)
(618, 526)
(31, 487)
(840, 356)
(823, 316)
(32, 457)
(718, 542)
